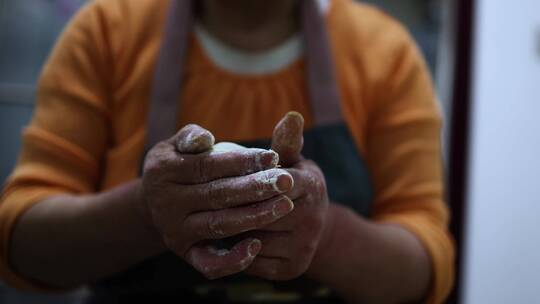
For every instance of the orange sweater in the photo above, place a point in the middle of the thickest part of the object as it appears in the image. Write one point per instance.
(89, 124)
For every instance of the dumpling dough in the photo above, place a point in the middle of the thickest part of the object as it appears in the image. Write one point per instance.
(226, 146)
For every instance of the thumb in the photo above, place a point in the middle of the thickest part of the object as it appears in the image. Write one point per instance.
(193, 139)
(288, 138)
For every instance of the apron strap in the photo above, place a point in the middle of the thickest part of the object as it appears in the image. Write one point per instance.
(321, 78)
(169, 73)
(163, 111)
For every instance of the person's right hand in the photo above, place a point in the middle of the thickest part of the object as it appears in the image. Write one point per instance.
(194, 196)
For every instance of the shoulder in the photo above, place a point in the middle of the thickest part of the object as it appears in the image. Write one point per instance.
(367, 25)
(117, 24)
(122, 9)
(116, 34)
(373, 51)
(124, 15)
(368, 36)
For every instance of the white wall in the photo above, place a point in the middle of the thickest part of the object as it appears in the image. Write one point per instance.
(503, 237)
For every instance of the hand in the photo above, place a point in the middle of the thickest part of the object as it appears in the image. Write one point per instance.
(194, 195)
(289, 245)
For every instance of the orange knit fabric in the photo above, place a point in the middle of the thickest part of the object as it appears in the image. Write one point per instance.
(89, 124)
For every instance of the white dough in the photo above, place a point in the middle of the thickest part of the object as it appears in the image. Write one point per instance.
(225, 146)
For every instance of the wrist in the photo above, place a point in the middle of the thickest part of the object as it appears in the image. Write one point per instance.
(326, 249)
(145, 216)
(143, 211)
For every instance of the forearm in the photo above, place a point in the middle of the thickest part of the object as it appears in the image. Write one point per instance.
(369, 262)
(71, 240)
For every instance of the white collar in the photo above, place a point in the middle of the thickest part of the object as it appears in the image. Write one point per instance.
(248, 63)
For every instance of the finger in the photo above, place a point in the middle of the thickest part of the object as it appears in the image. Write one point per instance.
(302, 219)
(308, 180)
(237, 191)
(193, 139)
(216, 263)
(276, 244)
(228, 222)
(288, 139)
(300, 184)
(277, 269)
(190, 169)
(287, 223)
(213, 166)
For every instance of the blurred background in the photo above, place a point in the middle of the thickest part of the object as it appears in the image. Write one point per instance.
(28, 30)
(485, 60)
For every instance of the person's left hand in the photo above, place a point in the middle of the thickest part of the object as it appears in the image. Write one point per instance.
(289, 244)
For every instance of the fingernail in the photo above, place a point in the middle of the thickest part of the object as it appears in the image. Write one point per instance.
(254, 247)
(204, 139)
(297, 115)
(269, 159)
(282, 207)
(196, 141)
(284, 182)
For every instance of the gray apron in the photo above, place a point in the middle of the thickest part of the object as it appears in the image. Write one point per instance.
(329, 143)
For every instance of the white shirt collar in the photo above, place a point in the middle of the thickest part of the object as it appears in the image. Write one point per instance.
(259, 63)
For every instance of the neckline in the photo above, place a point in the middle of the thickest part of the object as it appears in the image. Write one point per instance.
(253, 64)
(249, 63)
